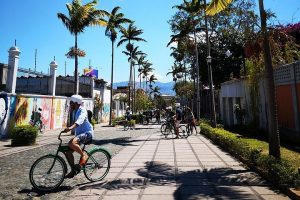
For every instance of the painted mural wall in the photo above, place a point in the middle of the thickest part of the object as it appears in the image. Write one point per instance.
(106, 106)
(60, 111)
(46, 111)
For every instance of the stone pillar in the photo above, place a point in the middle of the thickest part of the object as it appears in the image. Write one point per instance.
(13, 64)
(92, 86)
(52, 85)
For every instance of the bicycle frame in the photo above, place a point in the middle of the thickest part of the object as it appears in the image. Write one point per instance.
(59, 149)
(64, 149)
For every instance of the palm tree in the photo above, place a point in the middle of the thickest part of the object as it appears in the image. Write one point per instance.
(132, 53)
(155, 91)
(152, 79)
(140, 62)
(176, 71)
(80, 17)
(115, 22)
(274, 140)
(145, 72)
(193, 8)
(128, 35)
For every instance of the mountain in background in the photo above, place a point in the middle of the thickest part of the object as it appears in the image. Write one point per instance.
(165, 88)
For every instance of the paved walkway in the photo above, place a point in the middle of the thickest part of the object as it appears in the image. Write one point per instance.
(153, 167)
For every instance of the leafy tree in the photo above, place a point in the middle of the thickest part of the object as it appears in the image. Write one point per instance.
(142, 101)
(80, 17)
(159, 102)
(274, 141)
(184, 89)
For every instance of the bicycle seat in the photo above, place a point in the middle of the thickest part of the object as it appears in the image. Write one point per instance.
(89, 142)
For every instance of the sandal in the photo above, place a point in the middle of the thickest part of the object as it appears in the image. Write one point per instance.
(83, 160)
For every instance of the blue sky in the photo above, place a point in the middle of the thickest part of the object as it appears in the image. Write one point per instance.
(34, 24)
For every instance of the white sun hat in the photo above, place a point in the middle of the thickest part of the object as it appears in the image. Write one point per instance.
(76, 99)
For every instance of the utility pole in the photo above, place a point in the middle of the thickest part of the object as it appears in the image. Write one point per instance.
(35, 54)
(65, 68)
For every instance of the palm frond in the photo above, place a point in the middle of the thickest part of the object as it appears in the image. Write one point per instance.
(217, 6)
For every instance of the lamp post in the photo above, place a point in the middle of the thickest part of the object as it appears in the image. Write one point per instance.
(212, 96)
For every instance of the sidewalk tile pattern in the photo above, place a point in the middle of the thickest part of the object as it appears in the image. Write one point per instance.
(153, 167)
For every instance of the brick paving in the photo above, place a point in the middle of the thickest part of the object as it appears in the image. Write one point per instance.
(148, 166)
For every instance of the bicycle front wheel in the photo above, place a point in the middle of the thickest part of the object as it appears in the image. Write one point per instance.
(97, 165)
(47, 173)
(183, 131)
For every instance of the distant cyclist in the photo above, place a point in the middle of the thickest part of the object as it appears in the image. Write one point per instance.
(83, 133)
(128, 114)
(178, 119)
(190, 120)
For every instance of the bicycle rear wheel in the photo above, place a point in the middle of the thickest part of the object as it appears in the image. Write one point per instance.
(189, 130)
(97, 165)
(47, 173)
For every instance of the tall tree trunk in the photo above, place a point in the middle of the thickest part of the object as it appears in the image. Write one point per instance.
(133, 68)
(198, 76)
(76, 78)
(210, 77)
(274, 141)
(140, 77)
(129, 85)
(111, 81)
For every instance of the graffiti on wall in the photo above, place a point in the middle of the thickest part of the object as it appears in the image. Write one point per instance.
(105, 112)
(51, 112)
(3, 113)
(3, 108)
(34, 111)
(60, 113)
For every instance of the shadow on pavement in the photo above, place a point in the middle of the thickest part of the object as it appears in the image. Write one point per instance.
(35, 193)
(220, 183)
(125, 141)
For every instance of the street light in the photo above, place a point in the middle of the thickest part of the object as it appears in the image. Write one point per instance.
(209, 59)
(212, 96)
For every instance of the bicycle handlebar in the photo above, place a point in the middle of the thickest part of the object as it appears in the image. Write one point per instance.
(60, 135)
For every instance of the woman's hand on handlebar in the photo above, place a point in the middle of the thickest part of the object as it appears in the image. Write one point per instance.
(66, 130)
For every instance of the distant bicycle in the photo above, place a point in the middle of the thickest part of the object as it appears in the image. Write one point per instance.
(167, 128)
(190, 127)
(48, 172)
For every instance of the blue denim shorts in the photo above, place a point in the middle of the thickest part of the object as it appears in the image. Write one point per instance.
(84, 138)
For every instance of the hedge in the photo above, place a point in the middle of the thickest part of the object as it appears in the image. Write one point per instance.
(279, 171)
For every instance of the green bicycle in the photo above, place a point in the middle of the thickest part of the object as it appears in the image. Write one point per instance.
(48, 172)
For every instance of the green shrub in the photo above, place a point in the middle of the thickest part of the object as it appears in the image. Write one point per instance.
(117, 120)
(278, 171)
(138, 118)
(23, 135)
(132, 123)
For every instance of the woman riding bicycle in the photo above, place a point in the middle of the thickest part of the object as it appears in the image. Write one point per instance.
(83, 133)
